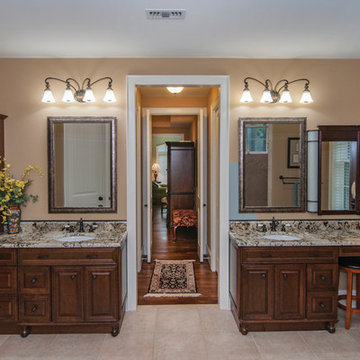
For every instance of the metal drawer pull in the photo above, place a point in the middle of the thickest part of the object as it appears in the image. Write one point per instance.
(266, 255)
(91, 256)
(73, 277)
(263, 275)
(33, 280)
(34, 308)
(43, 257)
(322, 305)
(285, 275)
(94, 277)
(323, 277)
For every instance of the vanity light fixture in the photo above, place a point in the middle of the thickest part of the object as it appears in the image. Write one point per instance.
(75, 92)
(278, 93)
(175, 89)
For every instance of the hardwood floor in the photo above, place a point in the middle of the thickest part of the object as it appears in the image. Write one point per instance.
(185, 248)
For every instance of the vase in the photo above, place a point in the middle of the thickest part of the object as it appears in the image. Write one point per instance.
(13, 219)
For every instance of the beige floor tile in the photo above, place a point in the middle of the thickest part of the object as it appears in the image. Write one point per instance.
(321, 342)
(143, 319)
(32, 347)
(179, 346)
(275, 345)
(332, 356)
(230, 346)
(184, 319)
(214, 319)
(355, 320)
(3, 338)
(129, 346)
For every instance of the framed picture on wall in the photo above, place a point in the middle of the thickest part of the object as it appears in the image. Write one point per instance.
(293, 159)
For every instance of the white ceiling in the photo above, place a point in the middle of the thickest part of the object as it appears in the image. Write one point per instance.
(212, 28)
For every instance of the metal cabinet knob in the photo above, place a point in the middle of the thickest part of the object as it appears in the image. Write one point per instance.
(73, 277)
(33, 280)
(34, 308)
(263, 275)
(285, 275)
(94, 277)
(323, 277)
(322, 305)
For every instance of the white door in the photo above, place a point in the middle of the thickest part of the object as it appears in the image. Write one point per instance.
(86, 169)
(201, 188)
(147, 186)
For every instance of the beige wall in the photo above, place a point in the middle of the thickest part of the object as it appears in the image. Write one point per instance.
(334, 85)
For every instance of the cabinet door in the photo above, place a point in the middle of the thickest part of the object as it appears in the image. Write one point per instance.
(68, 294)
(8, 308)
(290, 291)
(101, 293)
(257, 295)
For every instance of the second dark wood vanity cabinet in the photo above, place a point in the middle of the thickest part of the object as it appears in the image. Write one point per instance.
(284, 288)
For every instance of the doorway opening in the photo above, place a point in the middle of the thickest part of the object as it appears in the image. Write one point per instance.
(175, 162)
(134, 193)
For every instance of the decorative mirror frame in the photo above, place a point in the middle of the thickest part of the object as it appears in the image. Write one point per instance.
(51, 163)
(302, 184)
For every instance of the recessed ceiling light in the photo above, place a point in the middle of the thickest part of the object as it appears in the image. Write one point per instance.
(175, 89)
(165, 14)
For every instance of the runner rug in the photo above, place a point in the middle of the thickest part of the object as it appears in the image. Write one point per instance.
(173, 278)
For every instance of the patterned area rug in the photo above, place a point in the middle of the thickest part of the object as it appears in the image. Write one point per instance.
(173, 278)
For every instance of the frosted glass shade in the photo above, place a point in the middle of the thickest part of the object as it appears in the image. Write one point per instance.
(306, 97)
(285, 97)
(246, 96)
(266, 97)
(155, 167)
(109, 96)
(89, 96)
(175, 89)
(68, 96)
(48, 96)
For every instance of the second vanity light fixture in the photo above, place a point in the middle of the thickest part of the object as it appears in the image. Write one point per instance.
(278, 93)
(75, 92)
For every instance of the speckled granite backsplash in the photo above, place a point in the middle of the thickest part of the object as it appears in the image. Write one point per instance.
(309, 233)
(47, 234)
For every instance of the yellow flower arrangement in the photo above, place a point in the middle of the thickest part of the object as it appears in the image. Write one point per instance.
(13, 191)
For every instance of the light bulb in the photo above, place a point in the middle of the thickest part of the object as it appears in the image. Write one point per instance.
(266, 97)
(48, 96)
(109, 95)
(89, 96)
(68, 96)
(175, 89)
(246, 96)
(285, 97)
(306, 97)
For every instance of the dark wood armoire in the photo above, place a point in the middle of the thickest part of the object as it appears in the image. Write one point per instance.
(181, 174)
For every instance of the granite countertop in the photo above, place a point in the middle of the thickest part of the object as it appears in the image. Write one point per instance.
(43, 234)
(311, 233)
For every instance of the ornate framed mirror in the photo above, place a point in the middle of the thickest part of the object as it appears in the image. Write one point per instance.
(272, 164)
(82, 164)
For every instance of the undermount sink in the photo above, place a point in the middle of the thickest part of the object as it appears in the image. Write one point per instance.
(75, 238)
(281, 237)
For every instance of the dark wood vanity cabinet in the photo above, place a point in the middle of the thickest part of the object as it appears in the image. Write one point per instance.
(72, 289)
(284, 288)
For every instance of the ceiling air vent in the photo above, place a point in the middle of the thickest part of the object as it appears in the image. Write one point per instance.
(165, 14)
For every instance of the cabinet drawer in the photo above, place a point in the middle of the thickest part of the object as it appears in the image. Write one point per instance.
(289, 255)
(34, 280)
(349, 251)
(7, 256)
(8, 280)
(68, 256)
(34, 308)
(8, 308)
(322, 277)
(322, 305)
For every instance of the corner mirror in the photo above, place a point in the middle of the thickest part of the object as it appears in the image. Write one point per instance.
(82, 164)
(272, 164)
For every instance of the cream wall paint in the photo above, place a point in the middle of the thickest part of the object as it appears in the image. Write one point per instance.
(334, 87)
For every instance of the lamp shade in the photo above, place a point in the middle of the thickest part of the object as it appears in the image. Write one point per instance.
(109, 96)
(89, 96)
(155, 167)
(266, 96)
(306, 97)
(285, 97)
(246, 96)
(68, 96)
(48, 96)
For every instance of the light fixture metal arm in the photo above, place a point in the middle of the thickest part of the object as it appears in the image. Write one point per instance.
(103, 78)
(258, 81)
(307, 83)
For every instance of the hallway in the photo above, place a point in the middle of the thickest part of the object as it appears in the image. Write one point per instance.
(185, 247)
